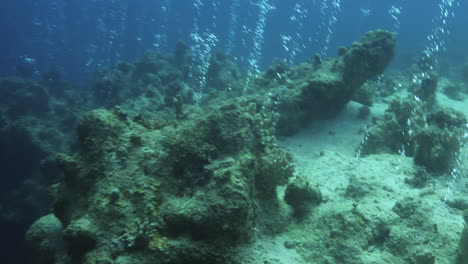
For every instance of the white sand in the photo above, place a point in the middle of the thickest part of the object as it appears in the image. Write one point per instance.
(325, 154)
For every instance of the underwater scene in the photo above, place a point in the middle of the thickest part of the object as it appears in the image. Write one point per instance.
(234, 132)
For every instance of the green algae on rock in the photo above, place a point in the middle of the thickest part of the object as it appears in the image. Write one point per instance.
(203, 180)
(431, 134)
(44, 242)
(301, 196)
(207, 181)
(304, 94)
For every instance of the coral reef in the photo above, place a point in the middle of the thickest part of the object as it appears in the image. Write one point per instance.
(199, 182)
(303, 94)
(152, 82)
(157, 178)
(422, 129)
(385, 134)
(438, 144)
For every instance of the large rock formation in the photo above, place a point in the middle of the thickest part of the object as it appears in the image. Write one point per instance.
(179, 194)
(310, 92)
(187, 183)
(418, 127)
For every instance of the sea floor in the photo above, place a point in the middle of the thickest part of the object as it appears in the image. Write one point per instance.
(325, 155)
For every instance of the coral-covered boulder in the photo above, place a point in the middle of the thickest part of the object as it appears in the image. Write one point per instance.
(44, 240)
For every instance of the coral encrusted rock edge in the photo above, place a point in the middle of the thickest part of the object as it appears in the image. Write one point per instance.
(187, 190)
(180, 194)
(313, 91)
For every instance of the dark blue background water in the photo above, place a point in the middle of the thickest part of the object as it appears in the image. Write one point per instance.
(79, 36)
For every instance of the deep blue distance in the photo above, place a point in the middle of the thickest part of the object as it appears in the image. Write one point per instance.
(77, 36)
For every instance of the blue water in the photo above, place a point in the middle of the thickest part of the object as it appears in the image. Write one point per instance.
(78, 36)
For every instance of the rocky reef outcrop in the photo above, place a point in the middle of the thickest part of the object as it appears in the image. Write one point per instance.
(314, 91)
(178, 194)
(159, 179)
(417, 126)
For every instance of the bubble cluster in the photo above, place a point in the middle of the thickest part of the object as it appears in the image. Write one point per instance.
(395, 13)
(202, 47)
(109, 27)
(258, 39)
(202, 44)
(233, 22)
(160, 39)
(364, 138)
(329, 10)
(293, 44)
(459, 169)
(441, 31)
